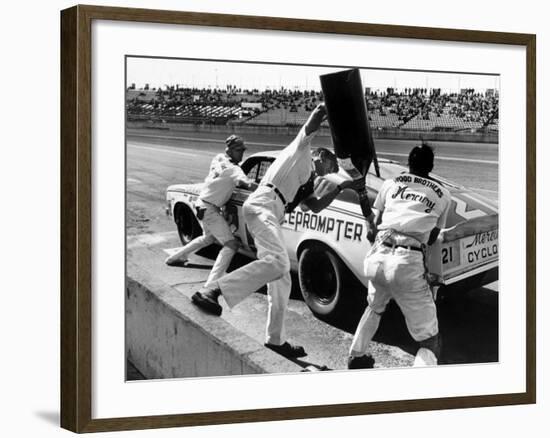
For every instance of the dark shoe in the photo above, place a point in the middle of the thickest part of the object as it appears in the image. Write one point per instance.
(208, 301)
(177, 262)
(288, 350)
(360, 362)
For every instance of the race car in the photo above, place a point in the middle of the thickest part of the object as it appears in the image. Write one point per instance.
(327, 249)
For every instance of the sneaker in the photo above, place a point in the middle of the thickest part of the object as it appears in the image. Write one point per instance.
(288, 350)
(360, 362)
(175, 262)
(425, 358)
(207, 300)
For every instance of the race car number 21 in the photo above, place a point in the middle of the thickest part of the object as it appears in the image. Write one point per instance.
(450, 255)
(447, 255)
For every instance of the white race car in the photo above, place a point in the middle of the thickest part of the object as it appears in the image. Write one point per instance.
(327, 249)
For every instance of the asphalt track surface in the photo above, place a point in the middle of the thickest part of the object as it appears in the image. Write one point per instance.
(468, 322)
(474, 165)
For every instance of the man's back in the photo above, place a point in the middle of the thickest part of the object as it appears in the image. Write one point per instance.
(413, 205)
(222, 179)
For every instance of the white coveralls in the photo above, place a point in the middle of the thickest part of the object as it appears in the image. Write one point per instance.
(411, 207)
(223, 177)
(264, 213)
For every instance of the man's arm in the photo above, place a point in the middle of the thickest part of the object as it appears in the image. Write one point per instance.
(313, 123)
(433, 235)
(375, 218)
(373, 221)
(315, 119)
(441, 221)
(241, 180)
(250, 185)
(323, 194)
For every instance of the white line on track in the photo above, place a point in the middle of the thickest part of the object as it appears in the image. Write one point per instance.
(205, 140)
(278, 146)
(482, 190)
(168, 151)
(467, 160)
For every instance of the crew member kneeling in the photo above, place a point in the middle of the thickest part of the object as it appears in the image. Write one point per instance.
(224, 175)
(411, 210)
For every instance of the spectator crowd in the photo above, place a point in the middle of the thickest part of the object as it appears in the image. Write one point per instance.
(408, 108)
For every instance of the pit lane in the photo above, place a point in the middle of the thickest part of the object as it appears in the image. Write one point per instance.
(469, 320)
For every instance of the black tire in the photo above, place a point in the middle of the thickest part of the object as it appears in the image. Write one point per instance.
(187, 224)
(326, 283)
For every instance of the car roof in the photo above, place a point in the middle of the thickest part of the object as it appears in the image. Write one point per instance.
(460, 194)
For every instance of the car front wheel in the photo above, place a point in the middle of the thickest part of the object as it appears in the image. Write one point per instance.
(324, 281)
(187, 223)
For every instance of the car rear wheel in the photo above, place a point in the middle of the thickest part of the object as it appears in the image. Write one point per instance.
(187, 223)
(324, 281)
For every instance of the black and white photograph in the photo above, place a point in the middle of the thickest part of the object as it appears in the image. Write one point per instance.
(270, 219)
(286, 218)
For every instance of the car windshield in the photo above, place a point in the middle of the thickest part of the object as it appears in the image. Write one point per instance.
(256, 167)
(264, 165)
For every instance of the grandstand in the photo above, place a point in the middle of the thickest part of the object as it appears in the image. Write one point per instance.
(406, 110)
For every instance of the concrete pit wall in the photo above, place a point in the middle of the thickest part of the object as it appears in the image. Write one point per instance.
(168, 337)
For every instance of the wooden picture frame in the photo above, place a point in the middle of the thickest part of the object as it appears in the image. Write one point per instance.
(76, 217)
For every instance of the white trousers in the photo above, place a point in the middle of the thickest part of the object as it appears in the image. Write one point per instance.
(396, 273)
(215, 229)
(263, 212)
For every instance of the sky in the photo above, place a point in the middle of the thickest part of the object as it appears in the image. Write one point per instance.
(159, 72)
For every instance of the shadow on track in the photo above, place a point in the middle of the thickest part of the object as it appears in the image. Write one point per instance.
(468, 321)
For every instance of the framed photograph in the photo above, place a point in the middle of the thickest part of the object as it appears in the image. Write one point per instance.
(261, 215)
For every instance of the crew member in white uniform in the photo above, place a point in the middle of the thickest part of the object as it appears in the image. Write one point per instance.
(411, 209)
(264, 212)
(225, 174)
